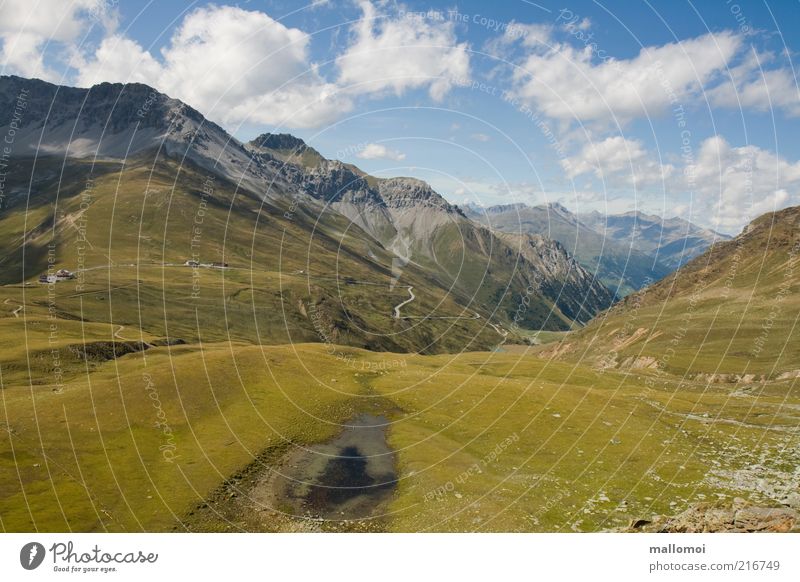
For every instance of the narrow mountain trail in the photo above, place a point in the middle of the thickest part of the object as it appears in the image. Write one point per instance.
(406, 302)
(499, 330)
(476, 316)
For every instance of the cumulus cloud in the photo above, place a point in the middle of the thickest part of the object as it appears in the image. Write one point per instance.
(242, 65)
(586, 84)
(563, 73)
(118, 59)
(375, 151)
(730, 185)
(232, 64)
(401, 53)
(618, 160)
(535, 35)
(480, 137)
(734, 185)
(26, 27)
(752, 84)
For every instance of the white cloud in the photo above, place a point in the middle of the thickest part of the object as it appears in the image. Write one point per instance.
(530, 35)
(731, 185)
(230, 63)
(750, 85)
(618, 161)
(737, 184)
(241, 65)
(480, 137)
(537, 37)
(577, 80)
(588, 85)
(27, 26)
(402, 53)
(375, 151)
(118, 59)
(240, 58)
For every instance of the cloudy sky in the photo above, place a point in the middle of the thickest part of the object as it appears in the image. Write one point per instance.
(680, 109)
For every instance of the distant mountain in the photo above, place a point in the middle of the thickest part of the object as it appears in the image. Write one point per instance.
(621, 267)
(728, 315)
(672, 241)
(145, 160)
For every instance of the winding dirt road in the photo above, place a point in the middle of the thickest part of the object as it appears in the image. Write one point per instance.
(406, 302)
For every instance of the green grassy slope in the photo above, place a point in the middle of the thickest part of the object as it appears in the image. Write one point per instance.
(128, 440)
(291, 278)
(480, 267)
(138, 443)
(731, 312)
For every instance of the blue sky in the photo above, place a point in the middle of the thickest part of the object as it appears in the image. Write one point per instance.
(667, 107)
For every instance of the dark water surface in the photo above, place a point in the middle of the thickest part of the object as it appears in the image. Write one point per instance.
(349, 477)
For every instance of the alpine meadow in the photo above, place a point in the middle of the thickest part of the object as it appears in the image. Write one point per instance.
(399, 267)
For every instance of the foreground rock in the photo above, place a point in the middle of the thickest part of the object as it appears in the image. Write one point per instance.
(739, 518)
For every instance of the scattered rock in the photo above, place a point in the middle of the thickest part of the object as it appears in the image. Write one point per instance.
(789, 375)
(642, 362)
(740, 517)
(731, 378)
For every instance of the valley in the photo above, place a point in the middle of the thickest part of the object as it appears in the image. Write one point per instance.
(252, 337)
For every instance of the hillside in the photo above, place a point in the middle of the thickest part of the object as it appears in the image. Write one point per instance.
(603, 448)
(123, 185)
(128, 235)
(409, 218)
(729, 315)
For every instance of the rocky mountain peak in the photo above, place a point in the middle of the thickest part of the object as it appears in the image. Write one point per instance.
(332, 181)
(406, 192)
(112, 121)
(562, 211)
(500, 208)
(278, 141)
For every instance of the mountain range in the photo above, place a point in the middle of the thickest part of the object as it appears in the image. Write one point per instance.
(144, 162)
(626, 251)
(671, 241)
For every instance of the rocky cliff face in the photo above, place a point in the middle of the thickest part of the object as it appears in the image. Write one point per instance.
(578, 293)
(280, 142)
(412, 193)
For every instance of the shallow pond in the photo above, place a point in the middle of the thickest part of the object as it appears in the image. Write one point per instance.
(349, 477)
